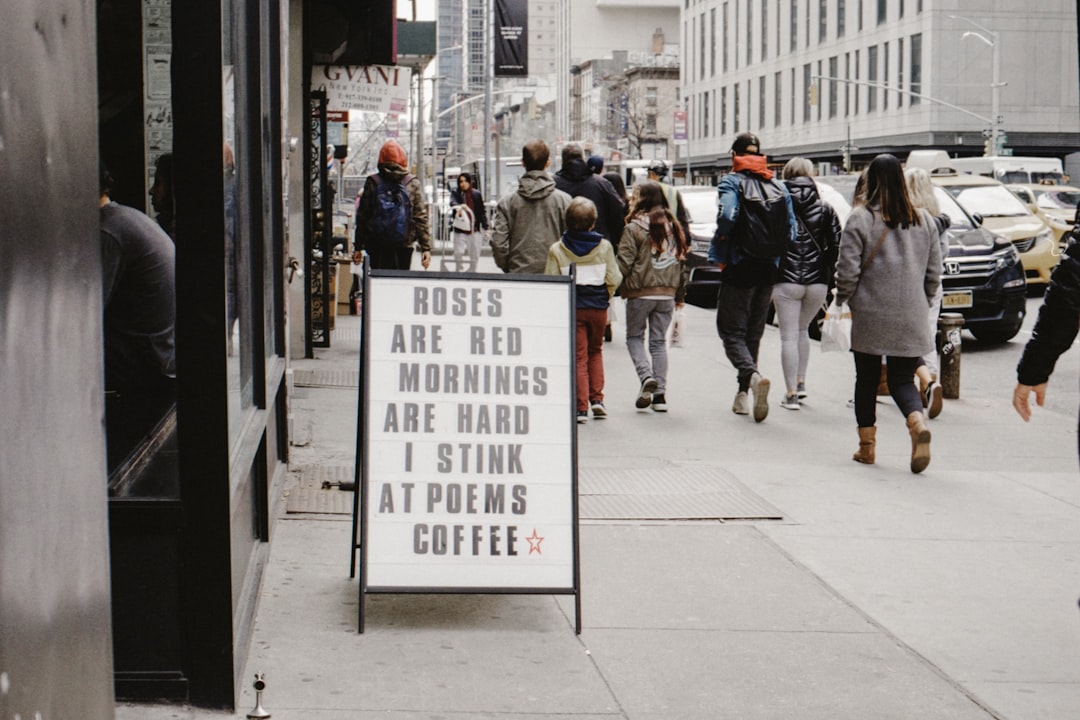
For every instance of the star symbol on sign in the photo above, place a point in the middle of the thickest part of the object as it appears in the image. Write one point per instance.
(534, 543)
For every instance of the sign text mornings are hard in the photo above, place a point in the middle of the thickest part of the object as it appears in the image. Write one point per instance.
(469, 427)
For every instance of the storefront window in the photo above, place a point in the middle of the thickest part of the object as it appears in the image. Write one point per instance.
(235, 154)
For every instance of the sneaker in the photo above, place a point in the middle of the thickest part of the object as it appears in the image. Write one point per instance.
(644, 398)
(933, 399)
(598, 411)
(759, 387)
(659, 402)
(741, 406)
(790, 401)
(800, 390)
(582, 417)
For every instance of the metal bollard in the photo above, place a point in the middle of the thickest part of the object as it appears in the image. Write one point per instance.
(948, 342)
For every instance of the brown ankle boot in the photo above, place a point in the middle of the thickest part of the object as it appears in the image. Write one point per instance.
(867, 441)
(920, 442)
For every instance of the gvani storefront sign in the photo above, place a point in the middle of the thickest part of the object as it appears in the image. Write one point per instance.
(468, 479)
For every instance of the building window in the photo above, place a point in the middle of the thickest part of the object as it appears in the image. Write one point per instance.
(702, 48)
(847, 86)
(794, 25)
(916, 68)
(806, 90)
(794, 97)
(761, 101)
(841, 18)
(885, 75)
(872, 78)
(858, 16)
(777, 103)
(705, 111)
(900, 9)
(723, 112)
(724, 37)
(834, 95)
(712, 43)
(900, 72)
(819, 72)
(779, 25)
(749, 33)
(808, 22)
(764, 30)
(855, 86)
(918, 6)
(738, 36)
(882, 11)
(735, 108)
(823, 21)
(650, 96)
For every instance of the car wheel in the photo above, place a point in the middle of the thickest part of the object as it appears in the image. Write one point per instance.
(998, 334)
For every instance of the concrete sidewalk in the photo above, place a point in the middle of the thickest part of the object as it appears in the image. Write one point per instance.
(879, 595)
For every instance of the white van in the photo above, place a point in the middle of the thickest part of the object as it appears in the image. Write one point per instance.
(1014, 169)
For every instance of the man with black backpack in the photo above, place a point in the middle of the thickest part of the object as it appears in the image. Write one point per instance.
(754, 224)
(392, 215)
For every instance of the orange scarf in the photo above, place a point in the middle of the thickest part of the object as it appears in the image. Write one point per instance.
(753, 163)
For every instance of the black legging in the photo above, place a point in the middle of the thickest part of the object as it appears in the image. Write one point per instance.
(900, 374)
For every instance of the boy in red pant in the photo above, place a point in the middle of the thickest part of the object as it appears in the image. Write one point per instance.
(597, 278)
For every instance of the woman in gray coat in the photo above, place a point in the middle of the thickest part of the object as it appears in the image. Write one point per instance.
(889, 271)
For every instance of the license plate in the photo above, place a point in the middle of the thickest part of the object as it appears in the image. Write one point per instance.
(957, 300)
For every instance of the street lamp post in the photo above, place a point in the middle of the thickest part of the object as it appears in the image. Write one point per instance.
(995, 88)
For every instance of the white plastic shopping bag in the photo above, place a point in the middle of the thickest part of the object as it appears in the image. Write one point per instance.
(836, 329)
(678, 328)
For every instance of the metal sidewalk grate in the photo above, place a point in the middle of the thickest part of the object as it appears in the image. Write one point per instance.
(326, 378)
(310, 497)
(676, 493)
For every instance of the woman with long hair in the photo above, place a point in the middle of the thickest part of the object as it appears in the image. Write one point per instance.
(805, 271)
(889, 271)
(921, 191)
(650, 257)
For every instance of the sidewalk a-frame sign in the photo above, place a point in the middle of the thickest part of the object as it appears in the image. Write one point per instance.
(466, 436)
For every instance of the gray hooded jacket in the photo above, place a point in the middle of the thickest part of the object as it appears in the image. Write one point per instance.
(527, 223)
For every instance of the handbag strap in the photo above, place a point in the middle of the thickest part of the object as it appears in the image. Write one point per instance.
(870, 257)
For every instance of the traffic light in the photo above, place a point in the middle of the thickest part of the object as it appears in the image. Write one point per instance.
(988, 146)
(812, 94)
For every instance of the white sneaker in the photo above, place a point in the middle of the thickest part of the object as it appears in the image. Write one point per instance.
(644, 398)
(790, 402)
(741, 406)
(759, 387)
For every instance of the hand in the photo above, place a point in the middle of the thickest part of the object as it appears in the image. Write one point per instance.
(680, 305)
(425, 259)
(1021, 395)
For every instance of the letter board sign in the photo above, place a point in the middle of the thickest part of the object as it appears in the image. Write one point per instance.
(468, 445)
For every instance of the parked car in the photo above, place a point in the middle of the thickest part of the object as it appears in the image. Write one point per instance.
(1055, 204)
(991, 205)
(702, 203)
(983, 278)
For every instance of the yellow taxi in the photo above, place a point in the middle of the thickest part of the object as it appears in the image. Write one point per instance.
(1002, 212)
(1055, 204)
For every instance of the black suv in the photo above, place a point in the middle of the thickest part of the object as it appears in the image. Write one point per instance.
(983, 278)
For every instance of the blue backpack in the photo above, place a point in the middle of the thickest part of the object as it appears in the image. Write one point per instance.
(393, 210)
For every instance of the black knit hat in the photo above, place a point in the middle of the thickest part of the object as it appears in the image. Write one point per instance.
(746, 144)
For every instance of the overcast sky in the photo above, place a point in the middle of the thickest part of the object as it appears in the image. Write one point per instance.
(425, 9)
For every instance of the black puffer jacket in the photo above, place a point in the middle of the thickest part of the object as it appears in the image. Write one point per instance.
(812, 257)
